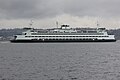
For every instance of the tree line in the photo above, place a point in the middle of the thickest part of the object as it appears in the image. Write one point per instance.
(10, 32)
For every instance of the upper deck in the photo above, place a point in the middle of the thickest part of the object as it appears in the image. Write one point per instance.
(66, 30)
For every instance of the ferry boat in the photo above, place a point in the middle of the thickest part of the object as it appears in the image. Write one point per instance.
(64, 34)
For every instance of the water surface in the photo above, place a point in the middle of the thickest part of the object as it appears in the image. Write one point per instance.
(60, 61)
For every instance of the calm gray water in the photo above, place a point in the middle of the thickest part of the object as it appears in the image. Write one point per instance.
(60, 61)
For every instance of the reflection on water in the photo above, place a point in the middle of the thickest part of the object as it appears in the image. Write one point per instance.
(60, 61)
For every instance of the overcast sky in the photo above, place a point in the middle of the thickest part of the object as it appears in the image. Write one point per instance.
(44, 13)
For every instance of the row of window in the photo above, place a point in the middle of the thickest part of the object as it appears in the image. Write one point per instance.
(66, 36)
(66, 33)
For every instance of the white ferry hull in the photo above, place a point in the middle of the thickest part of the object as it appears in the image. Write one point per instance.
(62, 40)
(64, 34)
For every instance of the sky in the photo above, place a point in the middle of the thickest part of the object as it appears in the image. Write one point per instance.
(45, 13)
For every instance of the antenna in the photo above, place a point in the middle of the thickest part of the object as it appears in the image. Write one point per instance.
(98, 24)
(31, 23)
(57, 24)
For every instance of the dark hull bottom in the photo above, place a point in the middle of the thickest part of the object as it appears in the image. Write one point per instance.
(52, 41)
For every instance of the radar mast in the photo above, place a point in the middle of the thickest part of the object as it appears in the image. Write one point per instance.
(31, 23)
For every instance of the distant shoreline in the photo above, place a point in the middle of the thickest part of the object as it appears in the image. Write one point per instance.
(6, 34)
